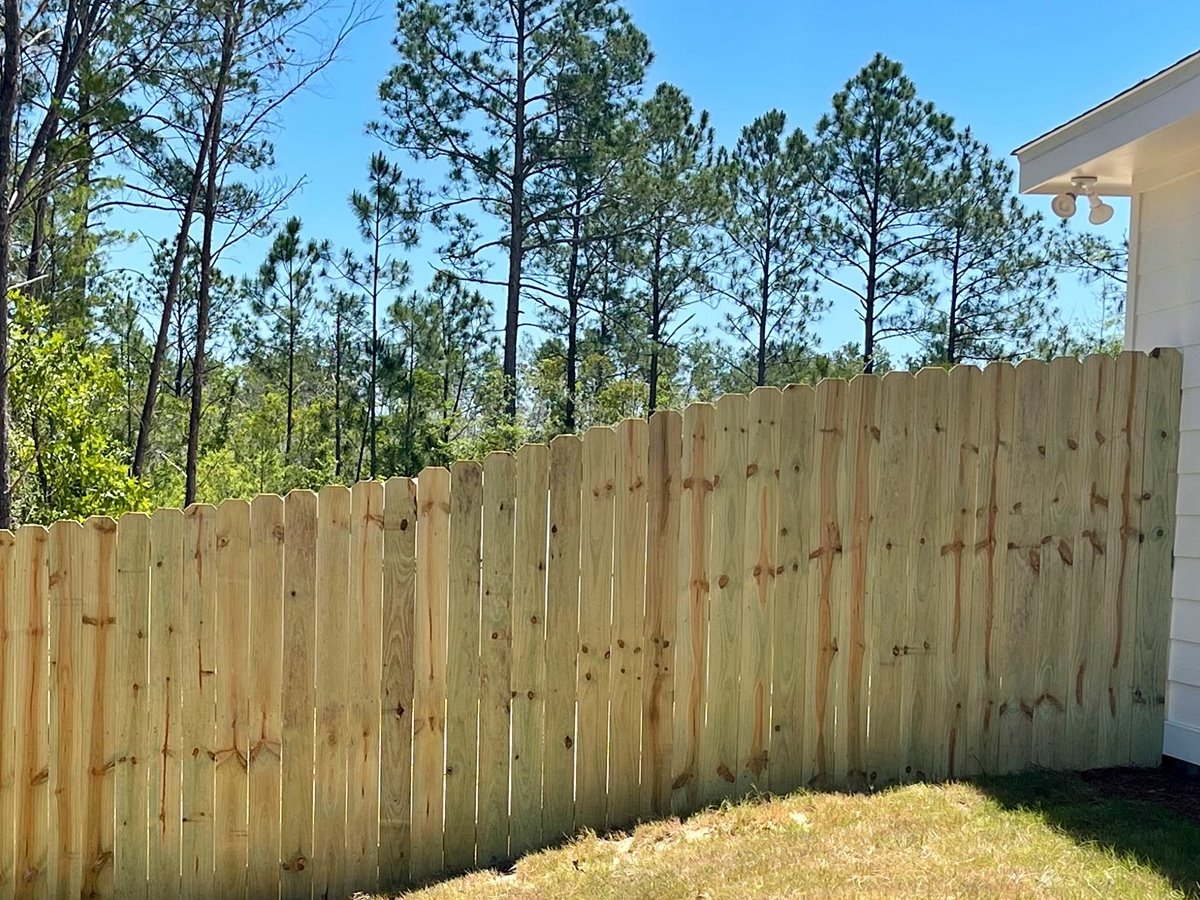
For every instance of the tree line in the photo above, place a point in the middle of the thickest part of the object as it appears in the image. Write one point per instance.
(598, 253)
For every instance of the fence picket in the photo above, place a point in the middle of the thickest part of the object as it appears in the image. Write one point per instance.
(364, 613)
(562, 635)
(299, 693)
(889, 628)
(429, 671)
(792, 614)
(133, 749)
(659, 635)
(265, 695)
(761, 477)
(629, 601)
(396, 719)
(462, 675)
(332, 692)
(719, 743)
(906, 577)
(529, 647)
(164, 698)
(600, 450)
(1153, 597)
(691, 618)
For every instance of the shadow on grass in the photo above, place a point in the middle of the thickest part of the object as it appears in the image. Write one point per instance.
(1091, 811)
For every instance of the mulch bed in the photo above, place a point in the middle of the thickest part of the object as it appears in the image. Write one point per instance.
(1176, 790)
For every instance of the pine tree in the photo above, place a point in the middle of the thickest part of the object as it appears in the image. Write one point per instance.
(876, 162)
(767, 235)
(478, 89)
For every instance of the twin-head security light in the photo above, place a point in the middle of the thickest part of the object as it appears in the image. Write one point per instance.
(1064, 204)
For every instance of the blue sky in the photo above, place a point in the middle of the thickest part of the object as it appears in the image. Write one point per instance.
(1010, 70)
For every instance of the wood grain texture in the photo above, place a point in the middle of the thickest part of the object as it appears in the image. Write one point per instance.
(719, 743)
(793, 616)
(890, 629)
(562, 635)
(299, 693)
(231, 755)
(1159, 486)
(600, 449)
(629, 602)
(198, 721)
(529, 684)
(332, 695)
(133, 748)
(495, 657)
(396, 717)
(692, 605)
(659, 636)
(265, 695)
(364, 610)
(164, 697)
(462, 666)
(928, 617)
(759, 560)
(429, 671)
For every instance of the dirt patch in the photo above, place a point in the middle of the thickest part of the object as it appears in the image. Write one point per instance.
(1176, 791)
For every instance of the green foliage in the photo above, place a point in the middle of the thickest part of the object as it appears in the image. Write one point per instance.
(67, 462)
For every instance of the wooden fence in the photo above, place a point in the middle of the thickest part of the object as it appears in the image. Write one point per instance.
(887, 579)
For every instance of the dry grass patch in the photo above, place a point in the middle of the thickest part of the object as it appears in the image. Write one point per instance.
(1036, 836)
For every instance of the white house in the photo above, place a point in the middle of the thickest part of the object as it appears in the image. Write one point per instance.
(1145, 144)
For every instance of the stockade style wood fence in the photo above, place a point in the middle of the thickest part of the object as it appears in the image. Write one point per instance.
(870, 581)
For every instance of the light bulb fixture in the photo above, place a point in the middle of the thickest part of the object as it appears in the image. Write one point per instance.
(1064, 205)
(1100, 212)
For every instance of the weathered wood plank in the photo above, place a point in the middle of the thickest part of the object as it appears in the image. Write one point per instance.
(364, 610)
(265, 695)
(529, 684)
(462, 675)
(629, 601)
(299, 693)
(396, 721)
(429, 670)
(562, 632)
(692, 605)
(659, 635)
(595, 626)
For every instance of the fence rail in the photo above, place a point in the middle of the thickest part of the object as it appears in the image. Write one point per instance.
(867, 582)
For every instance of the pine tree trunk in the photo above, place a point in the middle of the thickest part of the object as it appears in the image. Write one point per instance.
(216, 112)
(516, 222)
(572, 326)
(655, 325)
(10, 76)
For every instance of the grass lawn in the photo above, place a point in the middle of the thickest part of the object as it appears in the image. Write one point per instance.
(1035, 835)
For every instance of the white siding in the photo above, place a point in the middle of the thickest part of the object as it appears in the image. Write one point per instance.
(1164, 311)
